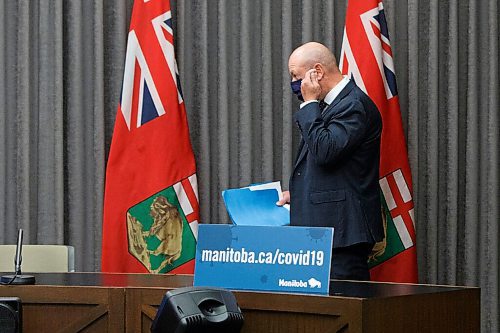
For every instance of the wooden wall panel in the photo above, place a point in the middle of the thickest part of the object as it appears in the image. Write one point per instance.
(70, 309)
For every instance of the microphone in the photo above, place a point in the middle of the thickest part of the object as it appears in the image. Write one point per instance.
(18, 277)
(19, 248)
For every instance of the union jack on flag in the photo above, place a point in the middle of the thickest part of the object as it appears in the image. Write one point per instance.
(151, 209)
(138, 77)
(367, 58)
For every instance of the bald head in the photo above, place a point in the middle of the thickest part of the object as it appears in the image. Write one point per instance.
(316, 56)
(312, 53)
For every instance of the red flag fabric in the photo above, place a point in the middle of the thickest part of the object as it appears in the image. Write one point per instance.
(366, 57)
(151, 198)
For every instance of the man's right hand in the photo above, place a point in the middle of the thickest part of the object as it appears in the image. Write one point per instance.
(310, 88)
(285, 200)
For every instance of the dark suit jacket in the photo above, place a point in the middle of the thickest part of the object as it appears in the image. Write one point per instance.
(335, 178)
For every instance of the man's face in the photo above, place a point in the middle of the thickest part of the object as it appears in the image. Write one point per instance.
(296, 69)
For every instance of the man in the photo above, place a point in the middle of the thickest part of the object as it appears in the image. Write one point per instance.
(335, 177)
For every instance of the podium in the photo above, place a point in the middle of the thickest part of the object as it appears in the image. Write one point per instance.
(99, 302)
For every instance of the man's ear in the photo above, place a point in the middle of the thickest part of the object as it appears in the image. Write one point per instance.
(320, 71)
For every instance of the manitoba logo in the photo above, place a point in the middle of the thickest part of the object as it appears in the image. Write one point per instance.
(159, 234)
(313, 283)
(292, 283)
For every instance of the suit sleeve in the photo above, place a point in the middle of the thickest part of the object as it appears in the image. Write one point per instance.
(329, 141)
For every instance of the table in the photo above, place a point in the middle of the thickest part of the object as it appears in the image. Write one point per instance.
(100, 302)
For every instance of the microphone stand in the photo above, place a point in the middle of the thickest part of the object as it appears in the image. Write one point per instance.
(18, 277)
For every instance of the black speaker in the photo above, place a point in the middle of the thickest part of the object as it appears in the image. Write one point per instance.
(198, 310)
(10, 315)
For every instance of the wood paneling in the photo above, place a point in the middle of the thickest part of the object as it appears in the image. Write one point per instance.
(70, 309)
(94, 302)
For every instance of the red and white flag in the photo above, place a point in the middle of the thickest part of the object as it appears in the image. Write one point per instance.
(151, 198)
(366, 57)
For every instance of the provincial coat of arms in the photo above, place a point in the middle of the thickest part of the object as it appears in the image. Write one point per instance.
(158, 233)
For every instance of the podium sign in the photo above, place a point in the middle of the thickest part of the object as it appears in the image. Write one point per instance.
(284, 259)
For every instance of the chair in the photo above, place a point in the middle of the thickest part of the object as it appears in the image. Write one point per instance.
(39, 258)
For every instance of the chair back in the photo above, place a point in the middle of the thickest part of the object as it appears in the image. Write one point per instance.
(39, 258)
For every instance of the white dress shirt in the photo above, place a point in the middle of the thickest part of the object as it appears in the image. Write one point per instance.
(332, 94)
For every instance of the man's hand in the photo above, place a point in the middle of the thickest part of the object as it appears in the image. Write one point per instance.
(285, 200)
(311, 90)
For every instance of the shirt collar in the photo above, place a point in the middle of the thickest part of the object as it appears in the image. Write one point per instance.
(332, 94)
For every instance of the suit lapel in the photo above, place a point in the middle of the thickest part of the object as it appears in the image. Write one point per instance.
(302, 152)
(347, 89)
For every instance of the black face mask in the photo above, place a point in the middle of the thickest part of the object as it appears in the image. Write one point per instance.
(296, 89)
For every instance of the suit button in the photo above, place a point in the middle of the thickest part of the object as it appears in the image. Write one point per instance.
(298, 173)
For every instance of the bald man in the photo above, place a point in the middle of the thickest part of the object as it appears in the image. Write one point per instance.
(335, 177)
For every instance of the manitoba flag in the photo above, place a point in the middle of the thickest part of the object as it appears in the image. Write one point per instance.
(151, 197)
(366, 57)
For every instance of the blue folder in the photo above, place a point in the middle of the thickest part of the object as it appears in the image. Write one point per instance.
(255, 207)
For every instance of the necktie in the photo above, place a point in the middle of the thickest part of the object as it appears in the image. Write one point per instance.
(322, 105)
